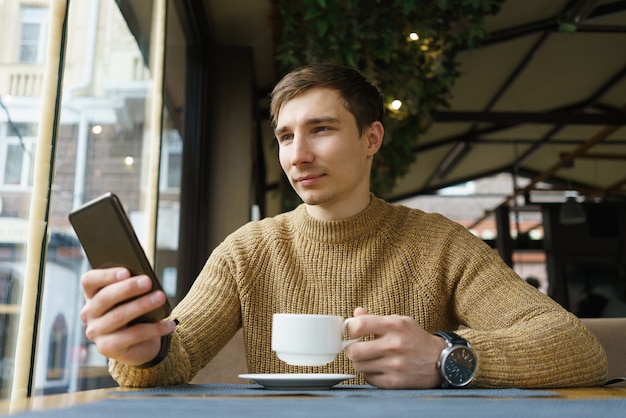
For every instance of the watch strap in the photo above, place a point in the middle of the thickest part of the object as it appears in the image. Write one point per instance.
(166, 341)
(452, 338)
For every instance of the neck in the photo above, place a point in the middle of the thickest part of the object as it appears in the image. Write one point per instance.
(336, 211)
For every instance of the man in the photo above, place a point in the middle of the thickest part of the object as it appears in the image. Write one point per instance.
(402, 273)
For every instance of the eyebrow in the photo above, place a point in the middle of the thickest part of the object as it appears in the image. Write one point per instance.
(310, 122)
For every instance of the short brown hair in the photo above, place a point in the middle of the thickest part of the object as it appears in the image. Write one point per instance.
(359, 96)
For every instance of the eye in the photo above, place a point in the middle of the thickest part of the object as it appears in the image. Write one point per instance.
(321, 129)
(285, 138)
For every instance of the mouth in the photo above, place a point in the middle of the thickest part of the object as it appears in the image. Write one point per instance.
(308, 179)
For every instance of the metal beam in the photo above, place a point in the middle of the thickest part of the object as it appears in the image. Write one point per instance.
(596, 139)
(566, 118)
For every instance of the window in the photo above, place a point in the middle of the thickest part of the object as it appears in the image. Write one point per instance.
(7, 279)
(16, 156)
(119, 101)
(57, 349)
(33, 34)
(171, 163)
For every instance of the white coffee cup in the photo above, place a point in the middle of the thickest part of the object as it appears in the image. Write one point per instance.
(309, 340)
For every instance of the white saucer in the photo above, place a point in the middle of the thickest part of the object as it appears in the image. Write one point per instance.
(308, 381)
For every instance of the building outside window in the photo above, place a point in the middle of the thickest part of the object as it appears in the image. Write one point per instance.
(33, 34)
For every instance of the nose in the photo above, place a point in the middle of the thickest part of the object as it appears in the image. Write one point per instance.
(300, 151)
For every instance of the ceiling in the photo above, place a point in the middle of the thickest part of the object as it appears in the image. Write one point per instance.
(544, 97)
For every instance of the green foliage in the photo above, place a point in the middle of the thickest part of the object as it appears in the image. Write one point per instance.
(373, 37)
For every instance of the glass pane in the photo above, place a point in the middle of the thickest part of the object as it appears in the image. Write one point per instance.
(166, 259)
(28, 53)
(29, 164)
(13, 165)
(173, 151)
(103, 145)
(106, 140)
(19, 125)
(30, 32)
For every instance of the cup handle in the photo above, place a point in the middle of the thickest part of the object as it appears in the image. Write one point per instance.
(346, 343)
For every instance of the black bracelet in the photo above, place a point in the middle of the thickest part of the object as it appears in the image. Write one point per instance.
(165, 348)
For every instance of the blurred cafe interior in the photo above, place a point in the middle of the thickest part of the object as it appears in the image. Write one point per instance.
(517, 131)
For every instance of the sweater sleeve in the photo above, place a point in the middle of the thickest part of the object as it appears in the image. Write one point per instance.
(208, 316)
(521, 336)
(174, 369)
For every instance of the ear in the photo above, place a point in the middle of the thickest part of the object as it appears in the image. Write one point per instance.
(374, 135)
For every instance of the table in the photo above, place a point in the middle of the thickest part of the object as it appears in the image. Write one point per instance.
(48, 402)
(245, 400)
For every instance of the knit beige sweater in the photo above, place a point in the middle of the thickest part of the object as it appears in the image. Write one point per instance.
(390, 260)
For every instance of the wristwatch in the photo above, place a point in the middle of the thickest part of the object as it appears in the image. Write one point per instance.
(457, 362)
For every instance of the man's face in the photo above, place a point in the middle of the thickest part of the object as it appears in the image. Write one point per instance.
(320, 150)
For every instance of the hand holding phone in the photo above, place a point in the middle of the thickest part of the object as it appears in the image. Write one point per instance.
(109, 240)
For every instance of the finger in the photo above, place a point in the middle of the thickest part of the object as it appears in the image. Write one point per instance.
(114, 294)
(136, 344)
(94, 280)
(363, 352)
(393, 373)
(377, 362)
(385, 380)
(366, 324)
(121, 314)
(393, 335)
(360, 311)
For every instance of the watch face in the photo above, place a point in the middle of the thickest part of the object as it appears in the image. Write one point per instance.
(459, 366)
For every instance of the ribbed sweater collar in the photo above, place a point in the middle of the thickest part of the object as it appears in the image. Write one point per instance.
(369, 220)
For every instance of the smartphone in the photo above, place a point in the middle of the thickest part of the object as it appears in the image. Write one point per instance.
(109, 240)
